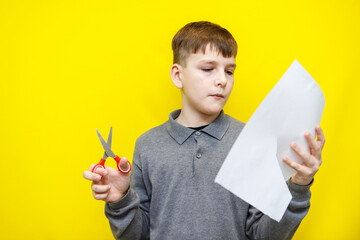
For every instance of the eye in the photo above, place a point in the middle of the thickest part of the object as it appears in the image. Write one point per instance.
(207, 69)
(230, 72)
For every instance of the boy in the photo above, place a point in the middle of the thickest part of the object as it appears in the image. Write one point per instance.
(173, 194)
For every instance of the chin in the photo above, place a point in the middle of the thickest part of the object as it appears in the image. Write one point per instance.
(213, 110)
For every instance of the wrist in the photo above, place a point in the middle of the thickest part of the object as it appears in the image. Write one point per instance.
(302, 181)
(122, 201)
(118, 197)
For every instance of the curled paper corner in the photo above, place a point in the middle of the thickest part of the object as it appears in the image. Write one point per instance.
(304, 87)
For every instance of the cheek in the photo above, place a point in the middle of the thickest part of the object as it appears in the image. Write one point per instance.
(230, 85)
(201, 85)
(194, 90)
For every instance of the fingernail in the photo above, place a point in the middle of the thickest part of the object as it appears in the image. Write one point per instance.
(293, 144)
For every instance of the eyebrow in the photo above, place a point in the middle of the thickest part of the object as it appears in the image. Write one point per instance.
(214, 62)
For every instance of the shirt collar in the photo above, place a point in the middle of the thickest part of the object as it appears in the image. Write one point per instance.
(180, 133)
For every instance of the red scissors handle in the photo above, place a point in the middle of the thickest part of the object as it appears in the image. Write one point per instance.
(117, 159)
(99, 165)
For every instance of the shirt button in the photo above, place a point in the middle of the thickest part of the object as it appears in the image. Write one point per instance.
(197, 133)
(198, 155)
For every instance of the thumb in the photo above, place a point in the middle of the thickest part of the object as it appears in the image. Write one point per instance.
(124, 165)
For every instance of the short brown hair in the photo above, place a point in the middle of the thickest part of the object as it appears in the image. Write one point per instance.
(196, 35)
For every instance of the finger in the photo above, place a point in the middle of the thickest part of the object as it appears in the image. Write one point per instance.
(101, 171)
(320, 135)
(124, 164)
(314, 147)
(100, 189)
(296, 166)
(306, 157)
(100, 196)
(91, 176)
(91, 167)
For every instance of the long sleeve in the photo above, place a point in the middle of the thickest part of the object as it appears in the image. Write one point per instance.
(260, 226)
(129, 217)
(174, 169)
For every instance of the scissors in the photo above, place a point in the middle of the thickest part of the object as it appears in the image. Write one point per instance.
(109, 153)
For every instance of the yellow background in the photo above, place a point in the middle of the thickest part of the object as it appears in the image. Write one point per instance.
(68, 67)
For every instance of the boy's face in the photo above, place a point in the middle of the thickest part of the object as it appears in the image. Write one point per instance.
(207, 81)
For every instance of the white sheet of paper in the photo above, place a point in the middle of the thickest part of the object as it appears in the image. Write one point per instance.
(253, 170)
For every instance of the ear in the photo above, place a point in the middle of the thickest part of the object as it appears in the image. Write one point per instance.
(176, 76)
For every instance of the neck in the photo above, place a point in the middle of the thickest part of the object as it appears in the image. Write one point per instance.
(194, 119)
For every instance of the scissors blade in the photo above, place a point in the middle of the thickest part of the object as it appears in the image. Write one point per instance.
(105, 146)
(108, 152)
(109, 138)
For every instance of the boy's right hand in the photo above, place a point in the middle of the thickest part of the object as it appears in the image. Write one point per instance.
(109, 184)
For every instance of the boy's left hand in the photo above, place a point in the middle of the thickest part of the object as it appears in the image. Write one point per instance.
(306, 171)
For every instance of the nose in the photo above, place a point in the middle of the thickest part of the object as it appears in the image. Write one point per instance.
(221, 79)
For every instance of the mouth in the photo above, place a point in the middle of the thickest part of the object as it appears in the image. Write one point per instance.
(217, 96)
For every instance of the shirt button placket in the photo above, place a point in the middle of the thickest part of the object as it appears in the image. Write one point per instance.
(198, 155)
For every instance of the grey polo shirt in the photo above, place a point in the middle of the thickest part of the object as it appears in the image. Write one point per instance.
(173, 194)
